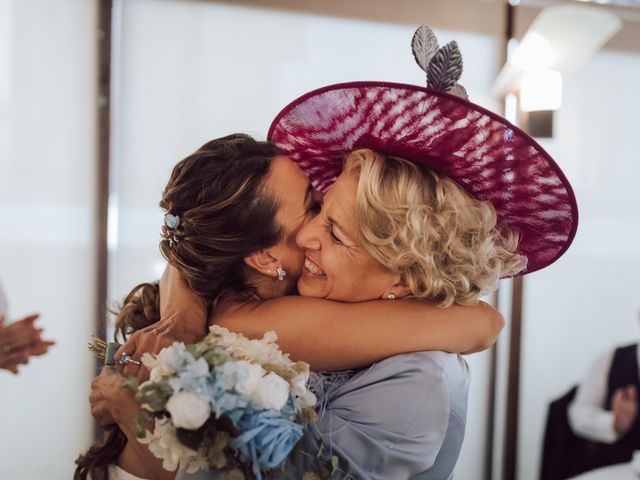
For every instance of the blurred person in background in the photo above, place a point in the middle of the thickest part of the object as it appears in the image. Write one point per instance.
(605, 408)
(19, 340)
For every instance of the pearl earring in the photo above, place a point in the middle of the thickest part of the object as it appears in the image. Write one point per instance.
(391, 296)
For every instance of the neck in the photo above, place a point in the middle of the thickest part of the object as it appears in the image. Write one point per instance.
(265, 288)
(269, 287)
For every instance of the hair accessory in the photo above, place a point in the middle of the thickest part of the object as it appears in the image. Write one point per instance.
(492, 159)
(281, 273)
(391, 296)
(171, 221)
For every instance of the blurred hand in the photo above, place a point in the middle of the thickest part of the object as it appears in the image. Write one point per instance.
(183, 319)
(111, 402)
(19, 341)
(624, 406)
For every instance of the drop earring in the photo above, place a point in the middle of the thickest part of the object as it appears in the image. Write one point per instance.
(281, 273)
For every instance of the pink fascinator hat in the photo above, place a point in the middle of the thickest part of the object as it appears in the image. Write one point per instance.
(437, 127)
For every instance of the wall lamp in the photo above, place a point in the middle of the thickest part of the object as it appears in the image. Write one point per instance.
(557, 43)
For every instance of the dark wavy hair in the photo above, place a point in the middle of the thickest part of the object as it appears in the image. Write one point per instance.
(226, 214)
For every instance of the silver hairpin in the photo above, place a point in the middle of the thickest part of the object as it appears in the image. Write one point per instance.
(172, 222)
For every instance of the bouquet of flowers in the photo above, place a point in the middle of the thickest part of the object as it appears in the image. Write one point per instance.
(226, 403)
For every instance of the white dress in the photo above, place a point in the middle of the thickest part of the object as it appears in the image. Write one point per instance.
(117, 473)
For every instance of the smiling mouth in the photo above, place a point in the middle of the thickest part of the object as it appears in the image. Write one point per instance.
(313, 268)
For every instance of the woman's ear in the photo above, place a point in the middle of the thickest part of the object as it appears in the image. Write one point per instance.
(398, 290)
(262, 262)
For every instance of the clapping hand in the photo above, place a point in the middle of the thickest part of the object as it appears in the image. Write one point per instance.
(19, 341)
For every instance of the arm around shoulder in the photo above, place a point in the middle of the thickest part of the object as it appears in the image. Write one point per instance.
(333, 335)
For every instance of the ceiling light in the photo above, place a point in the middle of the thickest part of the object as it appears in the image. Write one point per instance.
(561, 38)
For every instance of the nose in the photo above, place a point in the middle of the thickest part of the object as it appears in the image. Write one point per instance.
(308, 237)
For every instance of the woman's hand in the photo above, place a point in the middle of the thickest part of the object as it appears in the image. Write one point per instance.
(111, 402)
(183, 319)
(177, 297)
(19, 341)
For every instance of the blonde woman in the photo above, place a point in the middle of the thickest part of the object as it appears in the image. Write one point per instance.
(391, 229)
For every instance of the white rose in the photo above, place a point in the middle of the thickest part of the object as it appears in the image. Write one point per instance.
(164, 444)
(271, 392)
(188, 410)
(255, 372)
(305, 397)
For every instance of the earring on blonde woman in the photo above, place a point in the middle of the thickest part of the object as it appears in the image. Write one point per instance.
(391, 296)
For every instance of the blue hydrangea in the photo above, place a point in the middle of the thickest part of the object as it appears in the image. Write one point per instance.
(220, 388)
(267, 439)
(290, 409)
(192, 376)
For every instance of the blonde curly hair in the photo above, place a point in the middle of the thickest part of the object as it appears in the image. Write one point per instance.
(416, 222)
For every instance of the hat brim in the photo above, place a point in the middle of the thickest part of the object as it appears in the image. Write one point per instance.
(489, 157)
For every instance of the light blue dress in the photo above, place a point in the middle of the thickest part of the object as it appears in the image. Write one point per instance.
(401, 418)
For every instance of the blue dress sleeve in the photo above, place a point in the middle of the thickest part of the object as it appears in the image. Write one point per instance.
(391, 420)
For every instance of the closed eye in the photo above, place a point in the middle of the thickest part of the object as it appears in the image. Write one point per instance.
(332, 236)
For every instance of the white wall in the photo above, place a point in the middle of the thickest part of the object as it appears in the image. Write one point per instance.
(47, 150)
(588, 301)
(191, 72)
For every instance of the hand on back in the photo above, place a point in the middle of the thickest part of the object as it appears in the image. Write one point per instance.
(183, 319)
